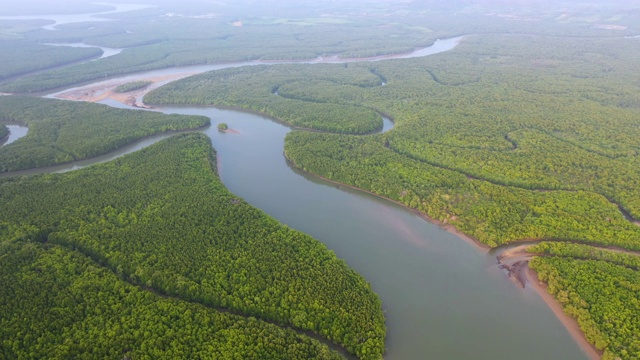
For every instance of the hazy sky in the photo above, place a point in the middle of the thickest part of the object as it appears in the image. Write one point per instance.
(312, 7)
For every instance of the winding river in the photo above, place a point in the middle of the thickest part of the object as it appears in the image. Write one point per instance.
(106, 51)
(444, 297)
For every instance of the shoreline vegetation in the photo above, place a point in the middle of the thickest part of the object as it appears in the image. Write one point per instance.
(98, 93)
(450, 82)
(132, 86)
(64, 167)
(4, 134)
(480, 246)
(569, 322)
(519, 271)
(62, 132)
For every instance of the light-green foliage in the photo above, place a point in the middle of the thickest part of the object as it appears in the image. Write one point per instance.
(494, 214)
(581, 251)
(537, 139)
(161, 218)
(603, 297)
(58, 303)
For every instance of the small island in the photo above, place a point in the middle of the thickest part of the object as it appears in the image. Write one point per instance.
(132, 86)
(223, 127)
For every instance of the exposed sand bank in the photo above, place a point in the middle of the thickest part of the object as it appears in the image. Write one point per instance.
(515, 261)
(569, 323)
(105, 90)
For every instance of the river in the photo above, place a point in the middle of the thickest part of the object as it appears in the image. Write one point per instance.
(444, 297)
(106, 51)
(61, 19)
(15, 133)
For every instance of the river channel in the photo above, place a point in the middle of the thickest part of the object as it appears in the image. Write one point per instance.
(444, 297)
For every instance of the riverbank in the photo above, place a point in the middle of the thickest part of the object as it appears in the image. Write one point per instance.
(570, 323)
(106, 90)
(479, 246)
(515, 261)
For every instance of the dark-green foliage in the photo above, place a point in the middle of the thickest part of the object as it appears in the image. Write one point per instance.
(63, 131)
(585, 252)
(494, 214)
(265, 89)
(603, 297)
(19, 57)
(131, 86)
(162, 218)
(540, 136)
(58, 303)
(4, 131)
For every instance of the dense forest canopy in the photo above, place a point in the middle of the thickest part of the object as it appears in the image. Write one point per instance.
(511, 163)
(160, 218)
(64, 131)
(166, 34)
(528, 129)
(80, 309)
(506, 137)
(600, 288)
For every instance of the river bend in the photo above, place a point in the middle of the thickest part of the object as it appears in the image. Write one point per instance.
(444, 297)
